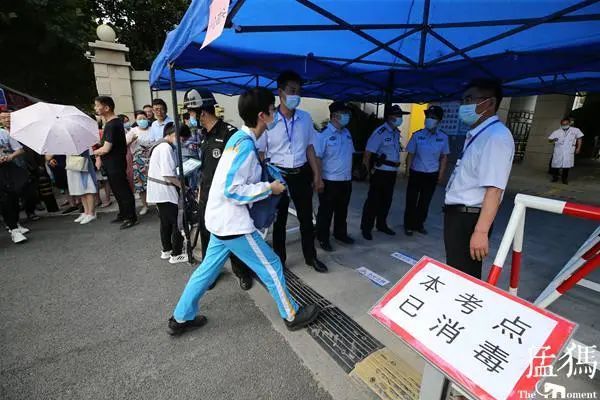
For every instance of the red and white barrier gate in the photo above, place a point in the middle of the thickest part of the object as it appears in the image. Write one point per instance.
(582, 264)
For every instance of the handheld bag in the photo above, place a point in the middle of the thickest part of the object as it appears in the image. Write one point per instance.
(77, 163)
(264, 212)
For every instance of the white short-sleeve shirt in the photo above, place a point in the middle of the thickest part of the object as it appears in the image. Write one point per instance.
(486, 162)
(285, 145)
(162, 164)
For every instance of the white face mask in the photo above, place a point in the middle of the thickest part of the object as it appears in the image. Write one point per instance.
(467, 113)
(431, 123)
(292, 101)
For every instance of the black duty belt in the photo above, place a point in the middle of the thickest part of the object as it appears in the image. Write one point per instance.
(459, 208)
(290, 171)
(389, 163)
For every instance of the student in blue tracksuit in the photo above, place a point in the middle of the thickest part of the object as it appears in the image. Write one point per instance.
(236, 186)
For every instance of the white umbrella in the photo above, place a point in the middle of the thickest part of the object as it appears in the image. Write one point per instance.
(54, 129)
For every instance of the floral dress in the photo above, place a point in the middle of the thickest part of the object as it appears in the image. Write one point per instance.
(140, 150)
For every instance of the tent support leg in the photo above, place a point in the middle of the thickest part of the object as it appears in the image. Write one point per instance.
(186, 228)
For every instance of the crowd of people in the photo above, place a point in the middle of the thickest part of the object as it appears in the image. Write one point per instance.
(232, 186)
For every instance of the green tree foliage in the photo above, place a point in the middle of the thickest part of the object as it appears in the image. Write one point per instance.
(141, 24)
(43, 42)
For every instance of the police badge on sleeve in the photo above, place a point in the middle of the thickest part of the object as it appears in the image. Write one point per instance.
(216, 153)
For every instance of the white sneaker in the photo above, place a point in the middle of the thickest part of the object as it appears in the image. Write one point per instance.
(144, 211)
(17, 236)
(165, 255)
(22, 229)
(178, 259)
(80, 218)
(87, 219)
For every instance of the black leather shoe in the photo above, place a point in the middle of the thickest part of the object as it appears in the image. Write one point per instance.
(245, 282)
(117, 220)
(422, 231)
(408, 232)
(317, 265)
(367, 235)
(325, 245)
(386, 230)
(177, 328)
(212, 285)
(304, 317)
(345, 239)
(128, 223)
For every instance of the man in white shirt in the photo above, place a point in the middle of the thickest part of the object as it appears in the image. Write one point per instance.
(477, 184)
(162, 191)
(159, 108)
(288, 146)
(567, 143)
(236, 186)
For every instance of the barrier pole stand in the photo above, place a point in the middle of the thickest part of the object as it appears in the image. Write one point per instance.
(434, 385)
(515, 266)
(513, 223)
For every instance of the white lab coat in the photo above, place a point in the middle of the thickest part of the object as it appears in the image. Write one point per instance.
(564, 147)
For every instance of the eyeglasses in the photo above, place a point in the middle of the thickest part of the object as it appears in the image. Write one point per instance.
(471, 99)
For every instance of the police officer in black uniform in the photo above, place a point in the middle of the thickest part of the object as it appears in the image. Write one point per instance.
(200, 103)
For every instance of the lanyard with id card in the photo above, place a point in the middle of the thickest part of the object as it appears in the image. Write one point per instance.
(462, 153)
(289, 158)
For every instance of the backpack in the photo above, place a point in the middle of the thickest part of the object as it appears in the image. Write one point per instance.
(264, 212)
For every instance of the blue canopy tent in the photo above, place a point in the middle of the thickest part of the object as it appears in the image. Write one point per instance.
(374, 50)
(370, 50)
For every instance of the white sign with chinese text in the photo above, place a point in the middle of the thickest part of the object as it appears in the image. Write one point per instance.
(216, 21)
(481, 337)
(376, 278)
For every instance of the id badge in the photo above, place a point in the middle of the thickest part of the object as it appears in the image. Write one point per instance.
(453, 175)
(288, 161)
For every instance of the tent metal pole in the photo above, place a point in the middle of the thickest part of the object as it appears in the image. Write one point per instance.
(186, 228)
(511, 32)
(256, 80)
(339, 21)
(424, 31)
(233, 13)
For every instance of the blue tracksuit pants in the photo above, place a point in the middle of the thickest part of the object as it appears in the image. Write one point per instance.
(256, 254)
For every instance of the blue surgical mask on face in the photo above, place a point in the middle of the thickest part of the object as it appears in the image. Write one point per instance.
(143, 123)
(193, 122)
(292, 101)
(565, 127)
(397, 121)
(467, 113)
(344, 119)
(272, 124)
(431, 123)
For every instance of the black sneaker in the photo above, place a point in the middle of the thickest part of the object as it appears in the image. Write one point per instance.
(325, 245)
(367, 235)
(317, 265)
(128, 223)
(408, 232)
(345, 239)
(177, 328)
(70, 210)
(422, 231)
(246, 282)
(386, 230)
(304, 317)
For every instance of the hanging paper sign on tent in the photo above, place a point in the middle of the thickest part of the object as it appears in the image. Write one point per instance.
(216, 21)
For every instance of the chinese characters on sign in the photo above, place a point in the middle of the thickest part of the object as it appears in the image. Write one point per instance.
(476, 334)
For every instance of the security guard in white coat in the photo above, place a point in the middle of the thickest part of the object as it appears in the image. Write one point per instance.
(384, 146)
(476, 187)
(567, 143)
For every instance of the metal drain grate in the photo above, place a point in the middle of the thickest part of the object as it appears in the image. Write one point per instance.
(345, 341)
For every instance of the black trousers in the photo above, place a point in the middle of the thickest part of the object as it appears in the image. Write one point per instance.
(9, 205)
(564, 172)
(333, 203)
(120, 186)
(458, 228)
(238, 267)
(30, 195)
(170, 237)
(420, 189)
(300, 190)
(379, 200)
